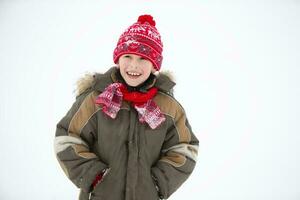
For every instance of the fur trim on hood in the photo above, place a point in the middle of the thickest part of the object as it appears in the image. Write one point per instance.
(87, 80)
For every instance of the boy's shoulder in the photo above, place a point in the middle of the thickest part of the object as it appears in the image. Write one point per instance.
(84, 84)
(91, 81)
(169, 105)
(165, 82)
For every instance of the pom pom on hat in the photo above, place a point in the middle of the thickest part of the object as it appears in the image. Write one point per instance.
(143, 39)
(146, 18)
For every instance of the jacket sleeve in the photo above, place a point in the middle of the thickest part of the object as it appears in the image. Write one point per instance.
(74, 137)
(178, 155)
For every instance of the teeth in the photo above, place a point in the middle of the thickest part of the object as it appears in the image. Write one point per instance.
(133, 73)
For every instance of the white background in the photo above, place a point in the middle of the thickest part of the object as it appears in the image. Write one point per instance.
(237, 70)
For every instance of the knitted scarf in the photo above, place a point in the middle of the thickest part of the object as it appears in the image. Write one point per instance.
(111, 100)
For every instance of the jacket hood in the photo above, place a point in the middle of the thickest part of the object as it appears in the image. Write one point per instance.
(164, 82)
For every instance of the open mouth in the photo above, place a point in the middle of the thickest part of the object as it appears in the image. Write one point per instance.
(133, 74)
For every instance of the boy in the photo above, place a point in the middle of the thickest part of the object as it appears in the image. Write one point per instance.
(126, 137)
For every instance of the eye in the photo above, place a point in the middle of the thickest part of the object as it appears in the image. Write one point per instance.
(127, 56)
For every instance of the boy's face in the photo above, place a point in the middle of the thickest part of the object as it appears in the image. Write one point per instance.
(135, 69)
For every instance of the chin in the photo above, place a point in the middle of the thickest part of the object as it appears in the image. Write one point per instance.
(133, 85)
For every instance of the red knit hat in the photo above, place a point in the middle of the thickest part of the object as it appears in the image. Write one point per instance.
(143, 39)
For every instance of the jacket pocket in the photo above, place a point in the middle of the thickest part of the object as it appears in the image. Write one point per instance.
(155, 182)
(96, 192)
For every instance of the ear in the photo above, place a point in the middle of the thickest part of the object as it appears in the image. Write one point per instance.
(154, 71)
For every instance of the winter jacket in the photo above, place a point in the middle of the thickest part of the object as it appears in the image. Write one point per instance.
(142, 163)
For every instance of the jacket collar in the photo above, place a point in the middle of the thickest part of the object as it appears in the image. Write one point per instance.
(163, 82)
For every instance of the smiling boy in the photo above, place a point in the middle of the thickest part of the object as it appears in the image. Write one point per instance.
(126, 137)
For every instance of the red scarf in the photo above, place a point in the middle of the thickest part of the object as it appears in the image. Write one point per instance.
(111, 99)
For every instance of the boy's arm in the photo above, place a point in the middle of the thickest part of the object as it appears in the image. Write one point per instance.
(178, 156)
(74, 136)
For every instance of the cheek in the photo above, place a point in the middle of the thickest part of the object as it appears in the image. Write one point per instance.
(124, 64)
(149, 68)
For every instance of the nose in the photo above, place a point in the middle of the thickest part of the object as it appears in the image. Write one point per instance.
(133, 66)
(134, 63)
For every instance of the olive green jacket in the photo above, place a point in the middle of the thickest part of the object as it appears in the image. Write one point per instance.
(142, 163)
